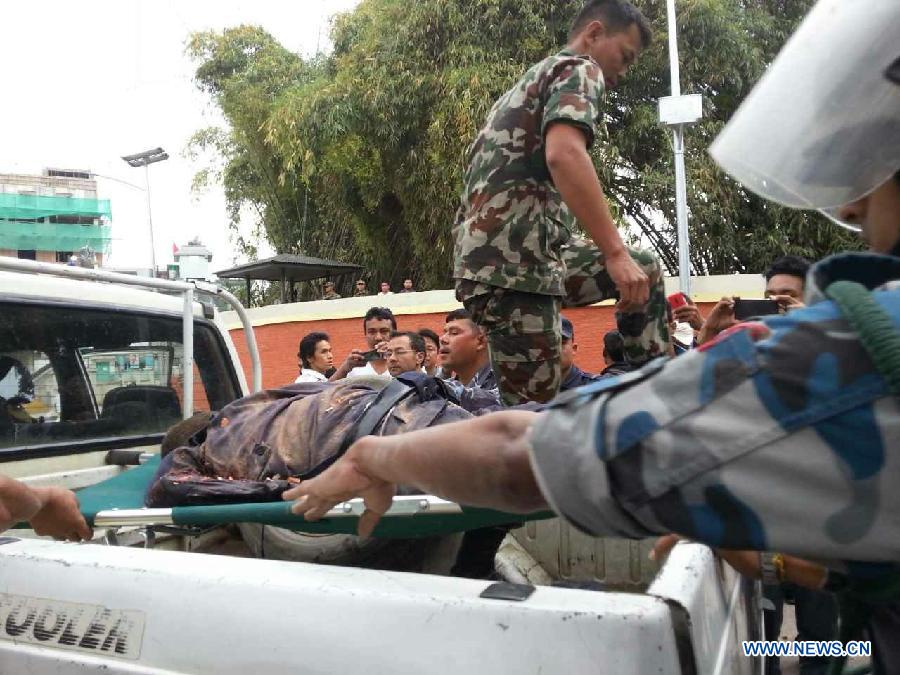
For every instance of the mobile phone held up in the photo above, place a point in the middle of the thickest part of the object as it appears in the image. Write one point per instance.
(747, 309)
(372, 355)
(677, 300)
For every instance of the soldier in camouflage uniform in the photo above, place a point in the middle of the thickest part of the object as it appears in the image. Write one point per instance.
(517, 260)
(330, 293)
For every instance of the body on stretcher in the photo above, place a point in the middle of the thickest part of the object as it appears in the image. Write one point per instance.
(118, 502)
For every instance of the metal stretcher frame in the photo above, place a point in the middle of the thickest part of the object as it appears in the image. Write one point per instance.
(118, 502)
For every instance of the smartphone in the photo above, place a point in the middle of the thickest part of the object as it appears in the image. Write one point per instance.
(373, 355)
(677, 300)
(746, 309)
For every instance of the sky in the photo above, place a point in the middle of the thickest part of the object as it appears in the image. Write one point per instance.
(85, 83)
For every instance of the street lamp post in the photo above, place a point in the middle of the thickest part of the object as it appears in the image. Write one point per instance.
(677, 112)
(145, 159)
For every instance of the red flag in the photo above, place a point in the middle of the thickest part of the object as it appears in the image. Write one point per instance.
(174, 249)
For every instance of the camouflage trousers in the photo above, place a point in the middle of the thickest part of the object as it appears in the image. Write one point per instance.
(523, 329)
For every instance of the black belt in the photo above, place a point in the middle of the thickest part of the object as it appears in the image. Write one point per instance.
(387, 398)
(376, 411)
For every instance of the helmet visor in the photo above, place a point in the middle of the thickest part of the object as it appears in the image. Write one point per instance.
(822, 127)
(833, 214)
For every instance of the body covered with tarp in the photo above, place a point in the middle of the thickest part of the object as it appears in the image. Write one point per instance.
(256, 446)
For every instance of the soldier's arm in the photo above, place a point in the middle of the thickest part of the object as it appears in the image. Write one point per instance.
(479, 462)
(573, 174)
(785, 444)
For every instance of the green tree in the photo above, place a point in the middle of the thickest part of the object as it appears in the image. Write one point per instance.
(359, 155)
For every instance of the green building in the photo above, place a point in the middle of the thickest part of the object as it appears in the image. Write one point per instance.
(50, 217)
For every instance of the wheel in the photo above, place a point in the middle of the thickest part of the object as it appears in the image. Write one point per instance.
(430, 555)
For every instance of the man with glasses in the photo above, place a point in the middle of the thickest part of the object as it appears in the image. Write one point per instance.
(405, 352)
(330, 293)
(360, 289)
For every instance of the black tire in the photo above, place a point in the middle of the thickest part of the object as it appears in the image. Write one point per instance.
(430, 555)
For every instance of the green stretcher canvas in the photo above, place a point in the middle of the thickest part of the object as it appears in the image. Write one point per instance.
(126, 491)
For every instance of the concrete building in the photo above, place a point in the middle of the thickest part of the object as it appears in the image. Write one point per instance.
(192, 261)
(51, 217)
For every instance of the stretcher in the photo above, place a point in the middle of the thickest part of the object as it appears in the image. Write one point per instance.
(119, 502)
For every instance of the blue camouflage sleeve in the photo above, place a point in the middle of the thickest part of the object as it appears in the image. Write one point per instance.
(573, 95)
(786, 444)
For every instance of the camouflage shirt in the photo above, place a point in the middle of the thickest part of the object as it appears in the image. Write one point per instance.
(790, 443)
(512, 220)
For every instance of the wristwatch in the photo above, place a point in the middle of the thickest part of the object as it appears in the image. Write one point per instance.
(771, 568)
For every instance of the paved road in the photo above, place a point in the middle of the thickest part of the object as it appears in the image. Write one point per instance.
(791, 665)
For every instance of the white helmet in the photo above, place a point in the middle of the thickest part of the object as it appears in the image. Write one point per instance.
(822, 126)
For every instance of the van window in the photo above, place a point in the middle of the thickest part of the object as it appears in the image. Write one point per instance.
(71, 374)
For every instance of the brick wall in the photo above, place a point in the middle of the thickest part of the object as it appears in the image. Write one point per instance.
(278, 342)
(200, 401)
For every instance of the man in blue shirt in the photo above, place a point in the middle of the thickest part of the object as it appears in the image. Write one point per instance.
(572, 376)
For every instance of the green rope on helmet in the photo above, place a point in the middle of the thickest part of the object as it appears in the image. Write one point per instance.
(876, 331)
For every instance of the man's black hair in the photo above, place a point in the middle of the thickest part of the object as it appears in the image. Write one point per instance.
(614, 346)
(308, 346)
(792, 265)
(463, 314)
(382, 313)
(458, 315)
(181, 433)
(429, 334)
(416, 341)
(616, 15)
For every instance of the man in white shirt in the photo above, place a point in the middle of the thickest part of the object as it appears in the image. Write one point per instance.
(378, 324)
(314, 358)
(385, 289)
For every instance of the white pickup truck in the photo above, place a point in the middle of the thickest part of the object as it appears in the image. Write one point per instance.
(102, 366)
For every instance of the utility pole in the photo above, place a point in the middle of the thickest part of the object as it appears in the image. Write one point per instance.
(677, 112)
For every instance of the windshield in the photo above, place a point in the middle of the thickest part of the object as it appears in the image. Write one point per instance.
(89, 375)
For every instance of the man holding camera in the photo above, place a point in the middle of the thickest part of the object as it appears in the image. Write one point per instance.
(785, 285)
(378, 324)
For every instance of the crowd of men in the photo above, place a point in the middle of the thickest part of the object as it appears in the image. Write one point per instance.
(461, 352)
(361, 289)
(773, 440)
